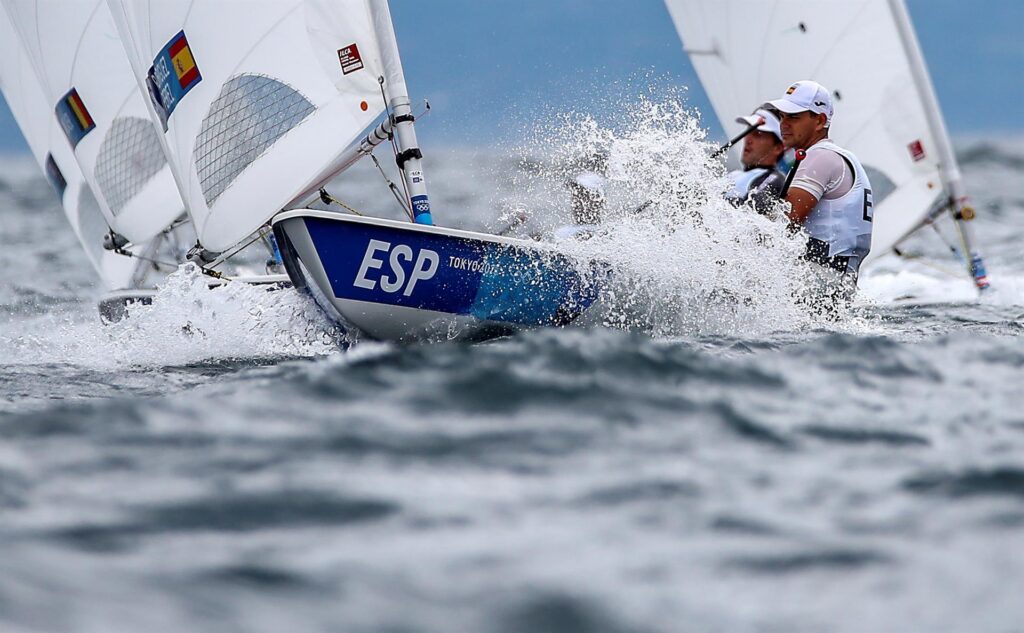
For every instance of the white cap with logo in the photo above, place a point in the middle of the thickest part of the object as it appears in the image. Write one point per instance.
(805, 96)
(764, 120)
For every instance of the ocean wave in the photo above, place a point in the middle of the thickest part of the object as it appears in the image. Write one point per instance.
(989, 153)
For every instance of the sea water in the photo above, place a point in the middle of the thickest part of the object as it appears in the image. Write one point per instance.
(706, 455)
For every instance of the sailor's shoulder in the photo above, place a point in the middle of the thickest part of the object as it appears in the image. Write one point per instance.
(824, 156)
(826, 146)
(829, 146)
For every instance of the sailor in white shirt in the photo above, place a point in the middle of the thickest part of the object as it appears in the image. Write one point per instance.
(830, 196)
(587, 190)
(761, 179)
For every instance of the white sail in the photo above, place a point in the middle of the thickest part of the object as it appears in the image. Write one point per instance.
(749, 51)
(76, 52)
(259, 99)
(34, 116)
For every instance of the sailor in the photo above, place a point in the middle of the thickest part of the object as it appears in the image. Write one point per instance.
(763, 174)
(830, 195)
(587, 193)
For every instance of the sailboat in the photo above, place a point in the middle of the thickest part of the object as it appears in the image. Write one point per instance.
(33, 111)
(254, 120)
(866, 51)
(75, 98)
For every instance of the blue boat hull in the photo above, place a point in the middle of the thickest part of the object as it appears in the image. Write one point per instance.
(401, 281)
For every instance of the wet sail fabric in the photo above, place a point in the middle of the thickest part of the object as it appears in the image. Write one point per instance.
(92, 93)
(748, 51)
(34, 116)
(257, 100)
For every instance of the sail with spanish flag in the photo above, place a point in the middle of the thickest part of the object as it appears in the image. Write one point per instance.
(77, 56)
(49, 146)
(253, 119)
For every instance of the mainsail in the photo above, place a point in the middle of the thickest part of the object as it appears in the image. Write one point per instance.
(747, 51)
(90, 89)
(256, 102)
(49, 147)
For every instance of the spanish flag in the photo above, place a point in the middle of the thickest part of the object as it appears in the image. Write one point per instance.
(183, 62)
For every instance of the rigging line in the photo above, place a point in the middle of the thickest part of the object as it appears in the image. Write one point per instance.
(121, 251)
(394, 150)
(393, 187)
(223, 258)
(183, 220)
(942, 237)
(924, 261)
(387, 110)
(967, 254)
(329, 199)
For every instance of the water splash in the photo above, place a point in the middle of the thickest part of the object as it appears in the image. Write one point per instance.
(188, 322)
(685, 260)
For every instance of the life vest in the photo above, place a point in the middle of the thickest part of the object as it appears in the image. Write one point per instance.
(844, 223)
(745, 181)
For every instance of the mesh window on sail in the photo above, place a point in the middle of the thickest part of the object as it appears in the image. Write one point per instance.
(129, 157)
(248, 116)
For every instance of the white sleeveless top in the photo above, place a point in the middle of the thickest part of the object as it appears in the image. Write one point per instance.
(743, 181)
(844, 223)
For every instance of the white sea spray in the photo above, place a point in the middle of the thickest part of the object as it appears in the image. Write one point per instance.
(236, 320)
(684, 260)
(188, 322)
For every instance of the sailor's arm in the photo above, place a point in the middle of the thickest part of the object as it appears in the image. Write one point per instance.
(801, 202)
(817, 174)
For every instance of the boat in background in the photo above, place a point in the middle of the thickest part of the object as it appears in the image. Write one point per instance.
(34, 115)
(74, 95)
(84, 76)
(746, 51)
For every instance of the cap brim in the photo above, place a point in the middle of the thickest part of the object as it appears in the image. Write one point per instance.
(750, 120)
(782, 105)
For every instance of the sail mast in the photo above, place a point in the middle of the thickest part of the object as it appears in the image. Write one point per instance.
(410, 159)
(949, 171)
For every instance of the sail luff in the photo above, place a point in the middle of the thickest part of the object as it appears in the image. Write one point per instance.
(410, 158)
(120, 18)
(950, 170)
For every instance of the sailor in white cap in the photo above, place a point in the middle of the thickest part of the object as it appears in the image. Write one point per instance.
(761, 179)
(830, 194)
(587, 194)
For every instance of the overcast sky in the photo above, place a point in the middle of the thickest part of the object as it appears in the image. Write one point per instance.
(489, 66)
